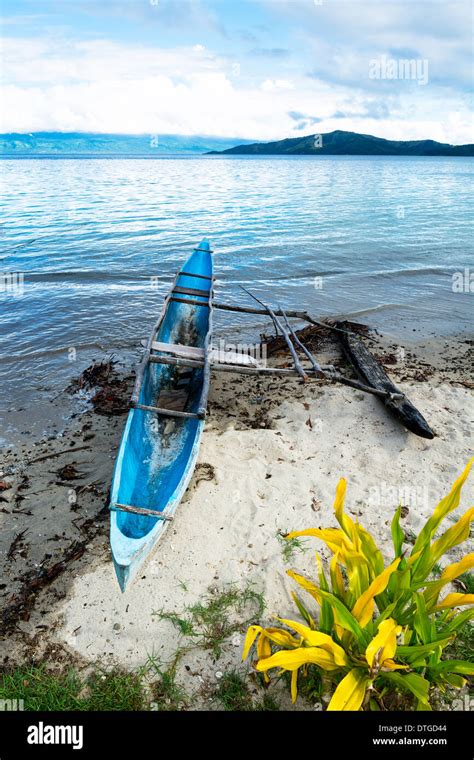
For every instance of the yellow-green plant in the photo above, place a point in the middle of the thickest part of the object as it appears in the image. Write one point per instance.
(379, 628)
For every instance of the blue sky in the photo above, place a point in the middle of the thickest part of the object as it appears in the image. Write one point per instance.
(256, 69)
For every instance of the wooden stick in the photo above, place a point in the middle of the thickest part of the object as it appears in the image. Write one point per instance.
(140, 511)
(239, 368)
(308, 354)
(303, 315)
(58, 454)
(326, 371)
(165, 412)
(287, 338)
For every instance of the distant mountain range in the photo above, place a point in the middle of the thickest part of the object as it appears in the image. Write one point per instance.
(338, 143)
(341, 143)
(93, 144)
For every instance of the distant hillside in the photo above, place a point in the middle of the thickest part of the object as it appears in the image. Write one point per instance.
(340, 143)
(89, 143)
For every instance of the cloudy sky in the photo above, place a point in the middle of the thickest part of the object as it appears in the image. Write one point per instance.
(254, 69)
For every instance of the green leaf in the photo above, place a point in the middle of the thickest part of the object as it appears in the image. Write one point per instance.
(421, 649)
(454, 680)
(303, 611)
(398, 535)
(384, 615)
(421, 621)
(346, 619)
(413, 683)
(326, 618)
(459, 620)
(463, 667)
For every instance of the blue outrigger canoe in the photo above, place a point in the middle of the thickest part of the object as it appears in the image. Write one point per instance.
(161, 439)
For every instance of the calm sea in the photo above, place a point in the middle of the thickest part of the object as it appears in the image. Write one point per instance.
(88, 247)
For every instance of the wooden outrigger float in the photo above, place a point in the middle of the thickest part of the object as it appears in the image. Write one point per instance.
(162, 434)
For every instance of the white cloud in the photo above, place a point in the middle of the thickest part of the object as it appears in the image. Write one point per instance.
(104, 86)
(273, 85)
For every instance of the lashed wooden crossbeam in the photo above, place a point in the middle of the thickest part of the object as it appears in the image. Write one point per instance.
(116, 507)
(241, 369)
(198, 354)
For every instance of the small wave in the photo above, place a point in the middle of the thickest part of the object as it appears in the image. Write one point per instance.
(373, 310)
(51, 353)
(411, 271)
(94, 275)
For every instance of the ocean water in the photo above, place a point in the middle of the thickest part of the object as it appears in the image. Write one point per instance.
(88, 248)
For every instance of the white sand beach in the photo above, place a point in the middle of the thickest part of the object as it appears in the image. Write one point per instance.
(271, 457)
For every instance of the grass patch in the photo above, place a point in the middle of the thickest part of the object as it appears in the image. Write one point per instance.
(290, 547)
(234, 695)
(168, 695)
(462, 648)
(116, 690)
(184, 625)
(466, 581)
(41, 690)
(210, 622)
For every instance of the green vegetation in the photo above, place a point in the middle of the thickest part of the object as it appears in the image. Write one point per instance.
(381, 630)
(167, 694)
(234, 695)
(47, 691)
(222, 613)
(290, 547)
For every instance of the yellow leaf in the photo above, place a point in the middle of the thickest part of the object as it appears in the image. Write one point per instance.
(294, 686)
(251, 635)
(263, 646)
(454, 600)
(445, 506)
(291, 659)
(337, 581)
(264, 651)
(306, 584)
(282, 638)
(350, 693)
(364, 607)
(453, 536)
(391, 665)
(344, 521)
(333, 537)
(370, 550)
(357, 573)
(383, 646)
(317, 639)
(449, 574)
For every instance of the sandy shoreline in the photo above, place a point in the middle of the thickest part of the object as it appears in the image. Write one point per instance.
(271, 456)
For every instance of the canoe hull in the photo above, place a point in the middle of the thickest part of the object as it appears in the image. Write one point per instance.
(158, 453)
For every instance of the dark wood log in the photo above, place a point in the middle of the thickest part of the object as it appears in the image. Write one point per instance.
(373, 374)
